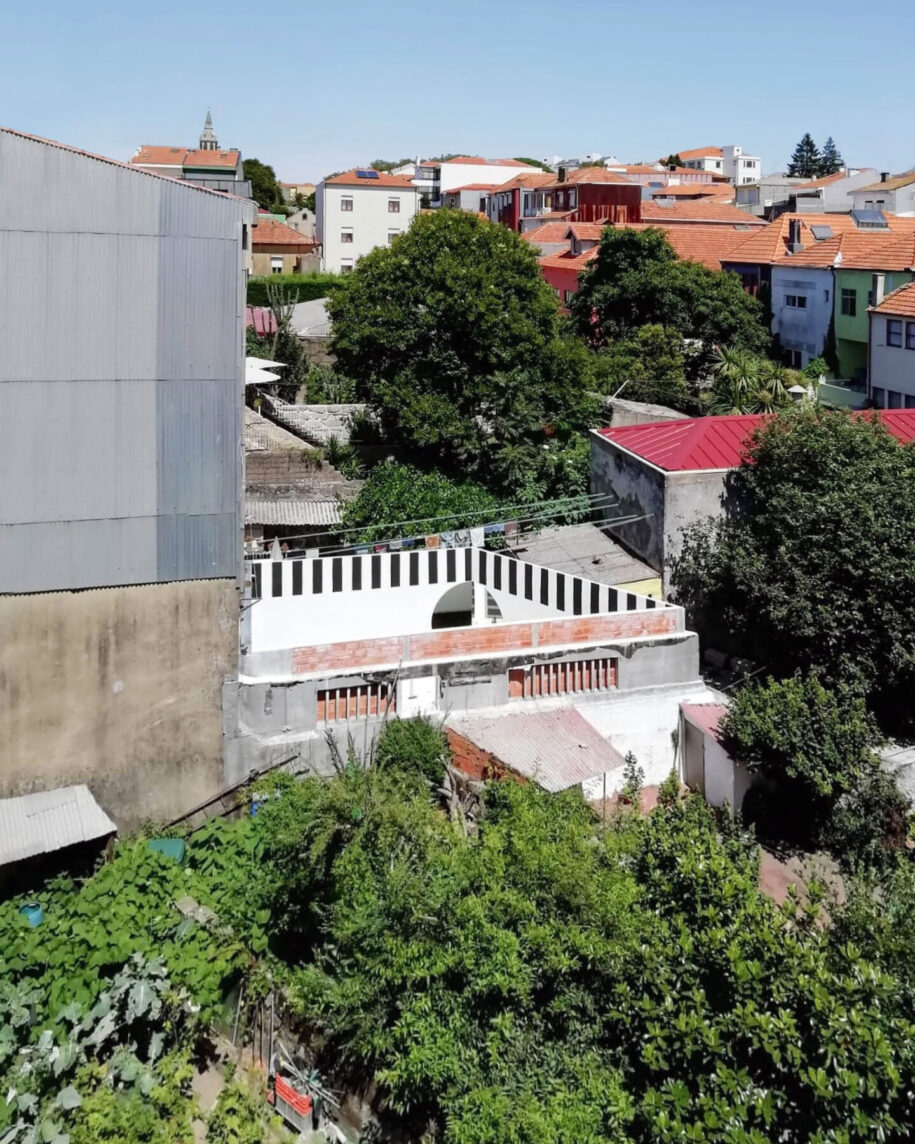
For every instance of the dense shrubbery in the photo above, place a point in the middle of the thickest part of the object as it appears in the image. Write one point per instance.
(302, 287)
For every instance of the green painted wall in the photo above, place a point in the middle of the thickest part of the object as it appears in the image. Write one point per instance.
(851, 333)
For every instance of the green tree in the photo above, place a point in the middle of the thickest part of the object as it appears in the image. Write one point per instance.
(285, 345)
(831, 162)
(637, 280)
(265, 188)
(813, 743)
(672, 160)
(397, 494)
(536, 163)
(456, 342)
(812, 566)
(805, 161)
(747, 383)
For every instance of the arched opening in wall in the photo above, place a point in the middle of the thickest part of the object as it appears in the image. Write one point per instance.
(455, 608)
(493, 611)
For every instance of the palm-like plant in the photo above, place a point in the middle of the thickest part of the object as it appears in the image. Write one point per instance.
(745, 383)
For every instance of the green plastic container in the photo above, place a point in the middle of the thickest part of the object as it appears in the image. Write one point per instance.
(172, 848)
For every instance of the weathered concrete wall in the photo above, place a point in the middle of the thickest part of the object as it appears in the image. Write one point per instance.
(640, 491)
(623, 412)
(118, 688)
(690, 497)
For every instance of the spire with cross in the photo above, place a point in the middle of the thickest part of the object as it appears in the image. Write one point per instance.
(208, 140)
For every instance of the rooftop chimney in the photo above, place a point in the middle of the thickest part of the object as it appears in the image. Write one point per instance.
(794, 236)
(884, 176)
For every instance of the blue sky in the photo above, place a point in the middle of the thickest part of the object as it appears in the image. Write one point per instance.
(314, 87)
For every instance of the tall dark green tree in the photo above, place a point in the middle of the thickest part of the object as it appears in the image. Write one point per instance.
(831, 162)
(637, 280)
(812, 567)
(805, 162)
(456, 341)
(265, 189)
(672, 160)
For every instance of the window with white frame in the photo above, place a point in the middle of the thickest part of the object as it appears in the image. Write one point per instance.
(346, 235)
(796, 301)
(894, 332)
(392, 234)
(276, 264)
(346, 203)
(346, 265)
(393, 206)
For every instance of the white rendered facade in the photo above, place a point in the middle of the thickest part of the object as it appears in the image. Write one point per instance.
(802, 303)
(354, 216)
(730, 161)
(891, 372)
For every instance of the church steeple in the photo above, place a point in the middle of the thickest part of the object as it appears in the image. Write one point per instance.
(208, 140)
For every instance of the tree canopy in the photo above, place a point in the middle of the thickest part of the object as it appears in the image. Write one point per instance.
(637, 280)
(812, 566)
(265, 188)
(535, 163)
(805, 160)
(831, 161)
(456, 343)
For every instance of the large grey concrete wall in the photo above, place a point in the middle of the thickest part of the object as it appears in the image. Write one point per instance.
(689, 497)
(118, 688)
(639, 488)
(121, 320)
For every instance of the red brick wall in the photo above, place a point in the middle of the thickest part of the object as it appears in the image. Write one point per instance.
(483, 641)
(476, 763)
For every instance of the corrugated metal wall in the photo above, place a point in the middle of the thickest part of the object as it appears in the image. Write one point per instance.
(121, 359)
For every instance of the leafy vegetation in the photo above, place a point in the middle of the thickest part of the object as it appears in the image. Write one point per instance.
(455, 341)
(265, 187)
(299, 287)
(807, 161)
(812, 566)
(747, 383)
(637, 280)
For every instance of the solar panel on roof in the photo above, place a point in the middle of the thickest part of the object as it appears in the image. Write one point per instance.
(366, 174)
(821, 232)
(875, 220)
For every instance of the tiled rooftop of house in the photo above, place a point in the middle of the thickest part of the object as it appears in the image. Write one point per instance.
(590, 175)
(184, 157)
(550, 232)
(723, 191)
(769, 244)
(698, 212)
(901, 302)
(893, 183)
(701, 153)
(359, 177)
(269, 232)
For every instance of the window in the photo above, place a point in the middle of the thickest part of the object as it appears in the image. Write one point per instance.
(794, 358)
(894, 332)
(849, 302)
(346, 203)
(337, 704)
(910, 335)
(392, 234)
(567, 296)
(244, 236)
(796, 301)
(717, 164)
(346, 266)
(393, 206)
(577, 677)
(894, 399)
(879, 397)
(346, 235)
(276, 264)
(909, 401)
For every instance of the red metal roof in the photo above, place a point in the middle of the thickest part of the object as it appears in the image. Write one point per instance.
(697, 443)
(705, 716)
(261, 319)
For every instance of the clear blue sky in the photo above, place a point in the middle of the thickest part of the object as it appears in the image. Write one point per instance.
(314, 87)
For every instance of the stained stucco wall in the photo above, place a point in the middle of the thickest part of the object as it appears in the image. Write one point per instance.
(118, 688)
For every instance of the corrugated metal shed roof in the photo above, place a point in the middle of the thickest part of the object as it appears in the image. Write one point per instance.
(556, 749)
(717, 442)
(50, 820)
(291, 511)
(705, 716)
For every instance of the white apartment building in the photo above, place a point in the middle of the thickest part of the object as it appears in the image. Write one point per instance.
(359, 210)
(435, 177)
(891, 348)
(730, 161)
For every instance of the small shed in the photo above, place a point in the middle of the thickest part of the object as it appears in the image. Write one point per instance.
(45, 832)
(707, 767)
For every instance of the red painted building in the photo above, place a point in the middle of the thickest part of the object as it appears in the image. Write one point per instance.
(593, 194)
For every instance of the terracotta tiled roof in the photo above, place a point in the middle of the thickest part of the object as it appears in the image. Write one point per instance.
(694, 190)
(550, 232)
(590, 175)
(269, 232)
(706, 243)
(586, 231)
(890, 249)
(699, 212)
(650, 169)
(901, 302)
(823, 181)
(471, 187)
(892, 184)
(701, 153)
(183, 157)
(568, 261)
(530, 178)
(770, 243)
(351, 179)
(478, 162)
